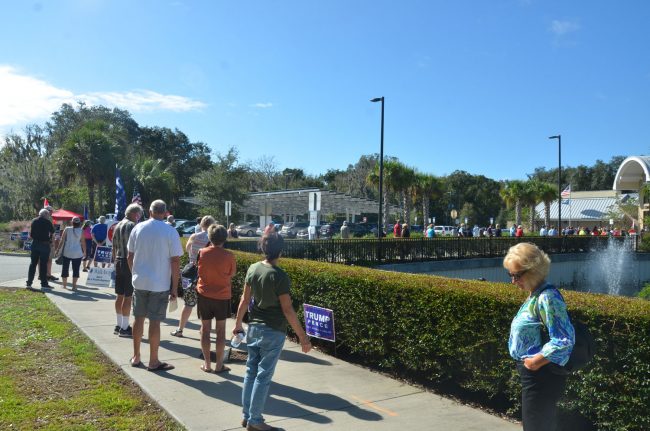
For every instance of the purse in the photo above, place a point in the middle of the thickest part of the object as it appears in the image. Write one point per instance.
(59, 252)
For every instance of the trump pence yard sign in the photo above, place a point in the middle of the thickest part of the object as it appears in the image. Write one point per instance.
(319, 322)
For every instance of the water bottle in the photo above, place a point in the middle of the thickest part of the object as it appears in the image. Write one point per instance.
(237, 339)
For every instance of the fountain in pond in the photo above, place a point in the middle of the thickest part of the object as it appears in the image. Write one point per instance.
(612, 270)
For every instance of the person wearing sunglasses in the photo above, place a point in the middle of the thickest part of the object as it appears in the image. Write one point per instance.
(541, 337)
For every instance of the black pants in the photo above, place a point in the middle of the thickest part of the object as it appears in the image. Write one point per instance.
(40, 254)
(65, 271)
(540, 392)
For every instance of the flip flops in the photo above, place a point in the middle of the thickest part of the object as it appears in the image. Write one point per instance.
(163, 366)
(136, 364)
(206, 370)
(223, 369)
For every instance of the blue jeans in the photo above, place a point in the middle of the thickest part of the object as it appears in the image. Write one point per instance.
(264, 348)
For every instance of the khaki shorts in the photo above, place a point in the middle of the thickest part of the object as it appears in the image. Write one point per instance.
(208, 308)
(152, 305)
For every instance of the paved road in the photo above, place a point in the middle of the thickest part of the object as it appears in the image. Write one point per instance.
(13, 267)
(309, 392)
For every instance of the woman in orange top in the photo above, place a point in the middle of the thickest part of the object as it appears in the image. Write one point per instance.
(216, 268)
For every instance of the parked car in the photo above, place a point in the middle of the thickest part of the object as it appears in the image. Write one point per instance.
(186, 232)
(444, 230)
(290, 229)
(182, 225)
(330, 229)
(304, 232)
(359, 229)
(247, 229)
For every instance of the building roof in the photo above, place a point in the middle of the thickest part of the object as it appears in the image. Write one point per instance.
(585, 208)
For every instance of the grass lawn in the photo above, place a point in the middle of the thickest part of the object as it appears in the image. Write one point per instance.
(54, 378)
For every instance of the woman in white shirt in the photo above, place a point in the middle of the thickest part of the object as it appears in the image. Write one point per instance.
(74, 248)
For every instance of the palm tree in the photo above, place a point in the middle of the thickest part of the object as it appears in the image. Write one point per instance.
(392, 181)
(547, 192)
(154, 180)
(89, 155)
(512, 194)
(406, 185)
(532, 189)
(427, 188)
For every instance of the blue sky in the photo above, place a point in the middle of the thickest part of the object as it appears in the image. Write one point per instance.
(472, 85)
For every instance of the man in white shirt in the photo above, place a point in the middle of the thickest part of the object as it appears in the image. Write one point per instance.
(542, 231)
(154, 258)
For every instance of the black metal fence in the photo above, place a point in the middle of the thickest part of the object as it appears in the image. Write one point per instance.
(370, 252)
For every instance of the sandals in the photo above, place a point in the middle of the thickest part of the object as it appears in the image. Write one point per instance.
(206, 370)
(163, 366)
(177, 333)
(222, 370)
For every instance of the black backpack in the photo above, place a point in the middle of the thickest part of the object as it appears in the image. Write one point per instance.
(584, 348)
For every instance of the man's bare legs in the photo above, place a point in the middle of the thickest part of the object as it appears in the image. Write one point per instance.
(221, 344)
(154, 343)
(138, 329)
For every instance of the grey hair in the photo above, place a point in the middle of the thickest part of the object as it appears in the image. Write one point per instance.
(158, 207)
(133, 208)
(101, 219)
(206, 222)
(44, 213)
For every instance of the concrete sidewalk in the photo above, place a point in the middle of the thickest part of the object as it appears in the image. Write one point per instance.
(309, 391)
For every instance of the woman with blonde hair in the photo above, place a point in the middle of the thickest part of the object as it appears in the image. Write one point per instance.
(195, 243)
(542, 316)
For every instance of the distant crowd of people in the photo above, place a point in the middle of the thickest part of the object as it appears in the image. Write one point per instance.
(147, 257)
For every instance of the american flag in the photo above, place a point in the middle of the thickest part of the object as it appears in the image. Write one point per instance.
(566, 193)
(136, 196)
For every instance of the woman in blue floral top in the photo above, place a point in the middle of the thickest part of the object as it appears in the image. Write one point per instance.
(542, 317)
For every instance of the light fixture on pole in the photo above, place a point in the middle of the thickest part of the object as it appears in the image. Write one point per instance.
(559, 181)
(380, 223)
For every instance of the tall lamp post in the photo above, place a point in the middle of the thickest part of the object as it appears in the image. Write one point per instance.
(380, 223)
(559, 181)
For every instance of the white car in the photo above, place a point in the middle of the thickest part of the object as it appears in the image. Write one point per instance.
(443, 230)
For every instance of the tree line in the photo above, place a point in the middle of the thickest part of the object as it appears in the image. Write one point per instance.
(72, 161)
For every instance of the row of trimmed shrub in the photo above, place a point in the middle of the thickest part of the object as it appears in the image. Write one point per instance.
(452, 335)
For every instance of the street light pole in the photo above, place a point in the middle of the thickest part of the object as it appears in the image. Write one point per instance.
(559, 181)
(380, 223)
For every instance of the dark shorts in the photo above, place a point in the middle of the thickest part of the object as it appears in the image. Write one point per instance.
(123, 285)
(90, 250)
(208, 308)
(152, 305)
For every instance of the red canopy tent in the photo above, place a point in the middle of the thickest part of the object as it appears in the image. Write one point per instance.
(62, 214)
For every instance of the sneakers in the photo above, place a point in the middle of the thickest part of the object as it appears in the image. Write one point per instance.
(116, 331)
(126, 333)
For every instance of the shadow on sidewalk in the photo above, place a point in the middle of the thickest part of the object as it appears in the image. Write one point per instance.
(80, 294)
(226, 390)
(295, 356)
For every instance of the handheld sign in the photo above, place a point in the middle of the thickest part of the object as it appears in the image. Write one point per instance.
(319, 322)
(100, 276)
(103, 254)
(27, 245)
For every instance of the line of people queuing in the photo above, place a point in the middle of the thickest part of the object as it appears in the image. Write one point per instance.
(147, 257)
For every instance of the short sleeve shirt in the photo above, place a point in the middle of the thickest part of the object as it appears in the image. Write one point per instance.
(267, 284)
(121, 237)
(153, 244)
(100, 230)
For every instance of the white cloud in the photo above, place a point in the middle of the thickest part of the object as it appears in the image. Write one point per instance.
(262, 105)
(26, 99)
(560, 28)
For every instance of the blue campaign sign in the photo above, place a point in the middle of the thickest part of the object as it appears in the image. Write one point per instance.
(24, 236)
(103, 254)
(14, 236)
(27, 245)
(319, 322)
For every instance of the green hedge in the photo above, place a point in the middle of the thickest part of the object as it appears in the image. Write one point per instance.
(449, 333)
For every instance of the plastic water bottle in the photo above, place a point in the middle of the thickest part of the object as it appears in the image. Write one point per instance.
(237, 339)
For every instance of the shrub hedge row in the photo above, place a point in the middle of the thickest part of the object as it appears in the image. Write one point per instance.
(450, 333)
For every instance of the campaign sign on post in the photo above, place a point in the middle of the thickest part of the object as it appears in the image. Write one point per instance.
(319, 322)
(24, 236)
(14, 236)
(103, 254)
(100, 276)
(27, 245)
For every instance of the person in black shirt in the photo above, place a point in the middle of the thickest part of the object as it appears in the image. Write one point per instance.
(41, 232)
